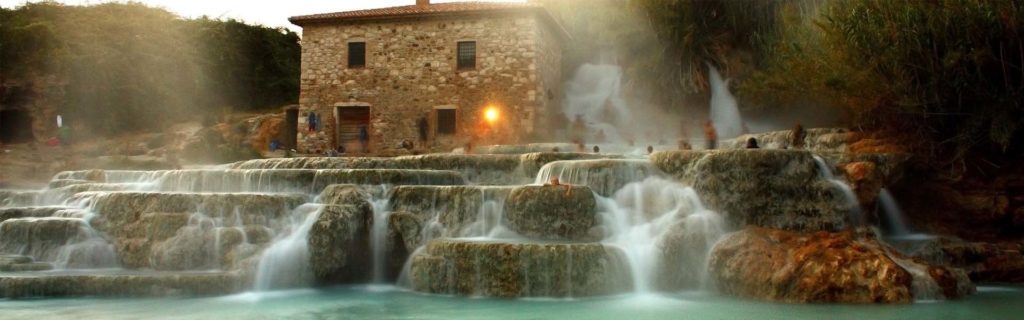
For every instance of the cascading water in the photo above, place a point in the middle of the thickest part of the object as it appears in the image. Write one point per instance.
(827, 173)
(378, 233)
(725, 111)
(640, 218)
(895, 226)
(285, 264)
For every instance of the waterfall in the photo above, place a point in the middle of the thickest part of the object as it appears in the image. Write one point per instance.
(725, 112)
(379, 233)
(893, 216)
(649, 218)
(285, 264)
(827, 173)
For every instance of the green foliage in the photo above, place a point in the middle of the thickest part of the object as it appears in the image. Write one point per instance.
(946, 75)
(128, 67)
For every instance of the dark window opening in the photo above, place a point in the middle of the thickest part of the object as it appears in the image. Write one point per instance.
(356, 54)
(15, 126)
(467, 55)
(446, 121)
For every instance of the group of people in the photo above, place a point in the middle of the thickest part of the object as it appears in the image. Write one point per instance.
(797, 138)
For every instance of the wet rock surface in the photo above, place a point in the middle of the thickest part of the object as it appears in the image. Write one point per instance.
(777, 265)
(40, 238)
(520, 269)
(460, 211)
(818, 139)
(769, 188)
(118, 285)
(339, 242)
(552, 212)
(781, 266)
(604, 176)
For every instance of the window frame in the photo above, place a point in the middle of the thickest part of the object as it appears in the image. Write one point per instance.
(458, 56)
(454, 124)
(348, 58)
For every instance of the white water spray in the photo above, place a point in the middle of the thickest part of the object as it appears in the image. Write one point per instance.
(725, 112)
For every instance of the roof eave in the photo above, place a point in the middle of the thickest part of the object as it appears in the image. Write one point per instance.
(303, 21)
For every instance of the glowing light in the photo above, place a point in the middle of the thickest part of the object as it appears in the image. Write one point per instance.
(491, 114)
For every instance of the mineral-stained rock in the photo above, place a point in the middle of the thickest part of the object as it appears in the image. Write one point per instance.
(343, 194)
(40, 238)
(461, 210)
(489, 169)
(127, 285)
(865, 180)
(684, 251)
(552, 212)
(769, 188)
(987, 262)
(134, 247)
(297, 180)
(19, 198)
(783, 266)
(817, 139)
(117, 209)
(339, 243)
(59, 183)
(604, 176)
(29, 212)
(520, 269)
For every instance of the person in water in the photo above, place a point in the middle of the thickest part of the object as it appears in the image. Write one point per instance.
(710, 135)
(597, 149)
(797, 137)
(752, 143)
(555, 183)
(650, 149)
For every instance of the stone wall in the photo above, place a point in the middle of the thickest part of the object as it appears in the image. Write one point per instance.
(411, 70)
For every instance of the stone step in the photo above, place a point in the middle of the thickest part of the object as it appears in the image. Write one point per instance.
(118, 284)
(485, 169)
(604, 176)
(19, 198)
(40, 212)
(493, 269)
(458, 209)
(272, 180)
(40, 238)
(553, 213)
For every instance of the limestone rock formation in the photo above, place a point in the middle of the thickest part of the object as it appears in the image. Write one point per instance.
(552, 212)
(124, 285)
(520, 269)
(604, 176)
(823, 267)
(339, 242)
(769, 188)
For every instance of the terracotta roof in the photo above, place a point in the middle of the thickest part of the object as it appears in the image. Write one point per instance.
(418, 10)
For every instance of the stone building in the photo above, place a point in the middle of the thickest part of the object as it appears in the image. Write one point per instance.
(435, 66)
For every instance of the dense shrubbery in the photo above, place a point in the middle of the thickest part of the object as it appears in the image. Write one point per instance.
(946, 76)
(129, 67)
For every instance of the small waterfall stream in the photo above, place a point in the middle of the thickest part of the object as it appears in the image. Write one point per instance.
(285, 264)
(828, 173)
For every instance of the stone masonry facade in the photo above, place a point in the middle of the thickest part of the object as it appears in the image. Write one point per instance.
(411, 71)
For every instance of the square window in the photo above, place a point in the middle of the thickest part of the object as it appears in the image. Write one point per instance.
(467, 55)
(356, 54)
(446, 121)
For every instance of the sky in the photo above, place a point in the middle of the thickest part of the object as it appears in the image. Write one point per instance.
(272, 13)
